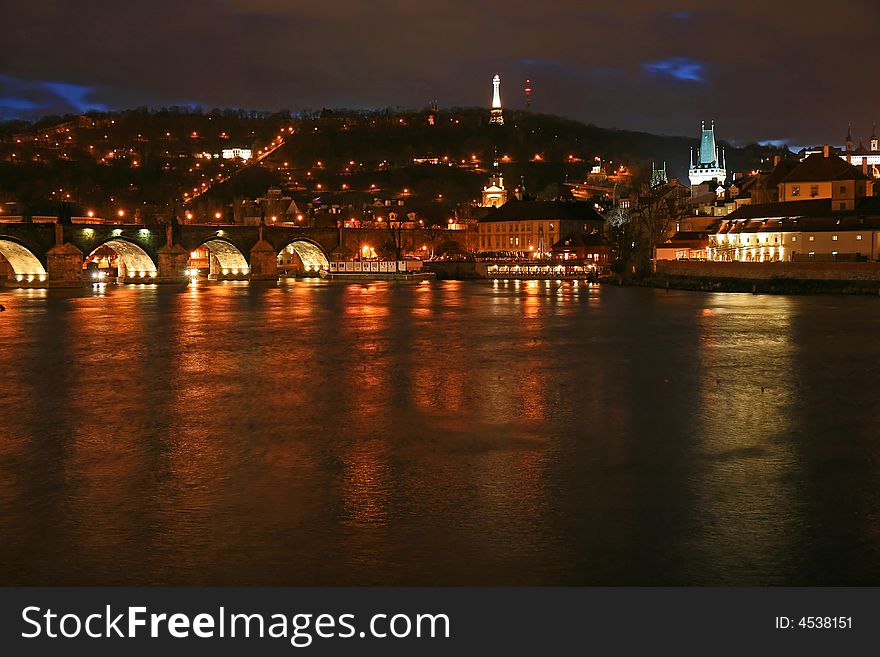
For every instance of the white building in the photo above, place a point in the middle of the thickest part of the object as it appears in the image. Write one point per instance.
(233, 153)
(709, 164)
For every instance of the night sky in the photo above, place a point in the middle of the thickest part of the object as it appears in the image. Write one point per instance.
(796, 72)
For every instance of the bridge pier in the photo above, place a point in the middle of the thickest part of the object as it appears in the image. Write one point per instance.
(64, 266)
(214, 267)
(264, 262)
(172, 260)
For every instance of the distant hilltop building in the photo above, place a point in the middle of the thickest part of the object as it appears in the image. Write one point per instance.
(710, 162)
(497, 116)
(236, 153)
(862, 155)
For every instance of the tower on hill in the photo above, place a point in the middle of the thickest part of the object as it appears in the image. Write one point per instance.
(497, 116)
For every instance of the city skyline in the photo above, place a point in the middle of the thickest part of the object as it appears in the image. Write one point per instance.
(631, 66)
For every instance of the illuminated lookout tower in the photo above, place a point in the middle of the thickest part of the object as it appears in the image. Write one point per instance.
(497, 116)
(710, 159)
(528, 93)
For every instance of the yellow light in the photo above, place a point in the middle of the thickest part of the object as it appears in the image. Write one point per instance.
(91, 213)
(217, 215)
(120, 212)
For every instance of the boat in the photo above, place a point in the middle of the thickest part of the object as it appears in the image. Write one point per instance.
(389, 270)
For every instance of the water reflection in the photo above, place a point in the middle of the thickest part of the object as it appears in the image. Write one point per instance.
(512, 432)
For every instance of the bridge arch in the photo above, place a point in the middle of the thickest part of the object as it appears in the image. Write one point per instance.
(229, 257)
(309, 253)
(131, 260)
(23, 262)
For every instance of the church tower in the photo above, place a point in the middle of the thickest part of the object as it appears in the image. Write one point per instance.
(874, 141)
(709, 164)
(494, 194)
(497, 116)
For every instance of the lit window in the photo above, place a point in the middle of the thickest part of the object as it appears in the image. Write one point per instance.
(834, 238)
(794, 239)
(795, 191)
(858, 237)
(811, 238)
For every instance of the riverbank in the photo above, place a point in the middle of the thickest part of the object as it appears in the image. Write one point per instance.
(754, 286)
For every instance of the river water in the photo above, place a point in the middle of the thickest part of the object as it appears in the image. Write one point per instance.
(438, 433)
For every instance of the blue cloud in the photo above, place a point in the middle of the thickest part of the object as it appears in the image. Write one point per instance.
(26, 99)
(679, 68)
(778, 143)
(76, 95)
(681, 15)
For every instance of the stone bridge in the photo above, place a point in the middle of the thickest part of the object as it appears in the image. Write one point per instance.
(51, 254)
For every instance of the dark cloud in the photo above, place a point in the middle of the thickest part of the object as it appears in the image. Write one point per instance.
(762, 70)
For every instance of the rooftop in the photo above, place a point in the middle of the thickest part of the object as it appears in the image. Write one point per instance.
(537, 210)
(817, 167)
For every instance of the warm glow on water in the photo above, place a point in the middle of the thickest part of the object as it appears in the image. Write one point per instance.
(439, 433)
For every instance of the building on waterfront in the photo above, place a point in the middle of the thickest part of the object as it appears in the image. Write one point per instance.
(820, 208)
(709, 164)
(531, 228)
(826, 176)
(592, 248)
(497, 116)
(684, 245)
(798, 231)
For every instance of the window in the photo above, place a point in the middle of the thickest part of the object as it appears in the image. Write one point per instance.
(796, 191)
(814, 190)
(843, 189)
(834, 238)
(858, 237)
(812, 238)
(843, 206)
(551, 228)
(794, 239)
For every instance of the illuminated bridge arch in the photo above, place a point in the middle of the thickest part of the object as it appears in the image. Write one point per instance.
(310, 254)
(228, 255)
(133, 258)
(21, 259)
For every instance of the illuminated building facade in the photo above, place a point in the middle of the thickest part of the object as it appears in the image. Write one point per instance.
(236, 153)
(532, 228)
(494, 194)
(709, 164)
(825, 212)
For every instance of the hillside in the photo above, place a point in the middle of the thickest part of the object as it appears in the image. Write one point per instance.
(145, 161)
